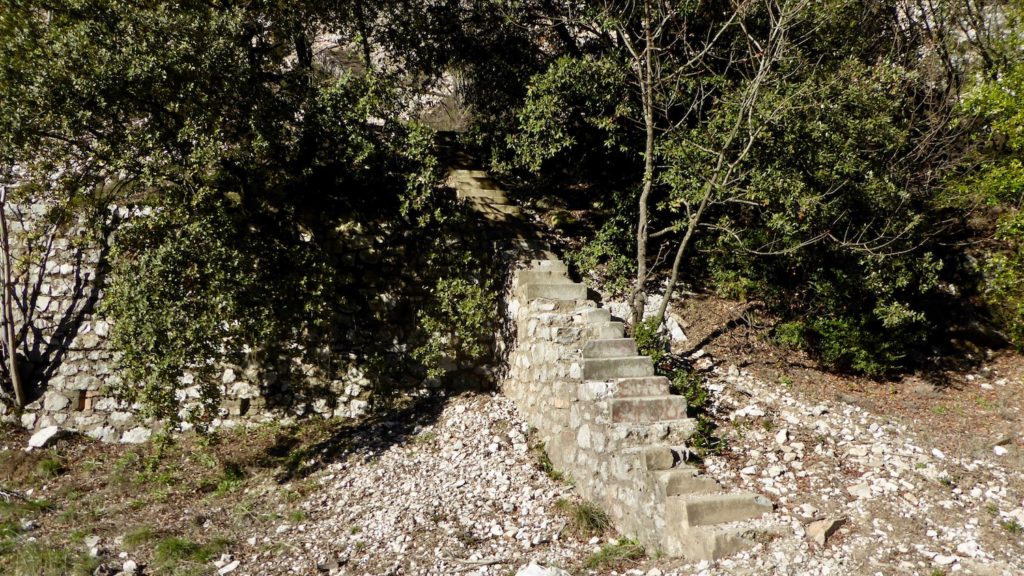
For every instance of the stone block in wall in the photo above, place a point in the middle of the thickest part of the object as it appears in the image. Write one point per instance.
(103, 434)
(55, 401)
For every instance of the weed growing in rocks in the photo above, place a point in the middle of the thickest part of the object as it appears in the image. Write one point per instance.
(614, 554)
(585, 519)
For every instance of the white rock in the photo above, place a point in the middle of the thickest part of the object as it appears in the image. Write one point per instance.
(942, 560)
(1000, 450)
(228, 568)
(969, 548)
(129, 566)
(137, 435)
(43, 437)
(862, 490)
(782, 436)
(938, 454)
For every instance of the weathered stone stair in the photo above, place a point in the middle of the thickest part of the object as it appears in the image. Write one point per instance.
(606, 418)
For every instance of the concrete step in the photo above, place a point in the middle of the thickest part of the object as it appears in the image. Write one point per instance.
(686, 480)
(609, 330)
(614, 368)
(707, 509)
(542, 277)
(712, 543)
(668, 432)
(647, 409)
(555, 291)
(648, 386)
(610, 348)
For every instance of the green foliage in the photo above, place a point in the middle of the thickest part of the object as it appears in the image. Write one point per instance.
(691, 385)
(575, 106)
(651, 340)
(602, 257)
(460, 321)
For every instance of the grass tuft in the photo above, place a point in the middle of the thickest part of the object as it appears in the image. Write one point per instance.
(585, 518)
(613, 555)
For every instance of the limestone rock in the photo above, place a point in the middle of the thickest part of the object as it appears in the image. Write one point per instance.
(821, 530)
(42, 438)
(136, 435)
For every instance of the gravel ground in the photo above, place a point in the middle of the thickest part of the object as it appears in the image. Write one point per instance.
(466, 495)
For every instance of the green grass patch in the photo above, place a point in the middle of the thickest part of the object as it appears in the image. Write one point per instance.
(585, 518)
(37, 559)
(611, 556)
(139, 537)
(175, 554)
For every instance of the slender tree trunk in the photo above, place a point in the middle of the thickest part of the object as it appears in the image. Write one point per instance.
(364, 34)
(10, 340)
(642, 235)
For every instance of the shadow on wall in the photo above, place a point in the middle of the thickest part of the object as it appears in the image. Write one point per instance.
(60, 280)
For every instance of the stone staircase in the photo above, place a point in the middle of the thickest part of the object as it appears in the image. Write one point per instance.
(607, 420)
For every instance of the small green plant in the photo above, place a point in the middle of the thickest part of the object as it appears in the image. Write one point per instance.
(425, 438)
(612, 555)
(1012, 526)
(585, 518)
(704, 442)
(296, 516)
(691, 385)
(938, 572)
(786, 381)
(231, 479)
(544, 463)
(649, 340)
(791, 335)
(49, 468)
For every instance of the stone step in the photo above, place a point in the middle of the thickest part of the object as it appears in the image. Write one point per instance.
(711, 543)
(489, 207)
(686, 480)
(542, 277)
(475, 192)
(648, 386)
(662, 457)
(610, 348)
(609, 330)
(597, 316)
(614, 368)
(553, 265)
(555, 291)
(647, 409)
(624, 388)
(670, 432)
(706, 509)
(469, 173)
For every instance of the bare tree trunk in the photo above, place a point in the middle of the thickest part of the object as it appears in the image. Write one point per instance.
(10, 340)
(646, 73)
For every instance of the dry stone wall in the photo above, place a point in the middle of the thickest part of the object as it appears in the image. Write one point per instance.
(69, 366)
